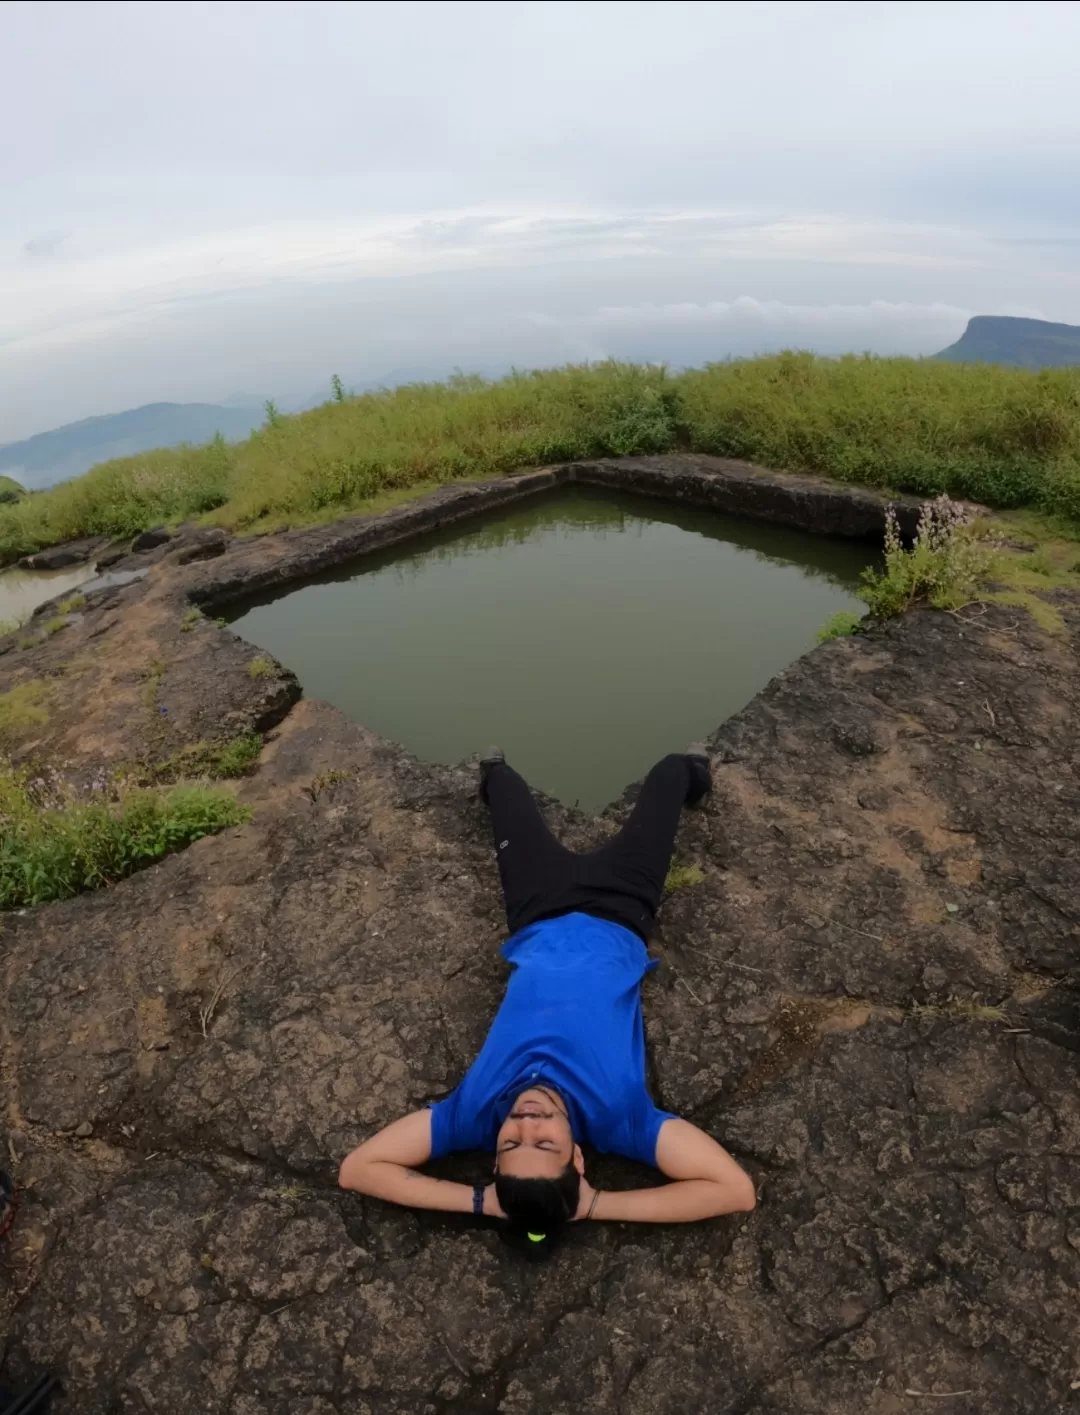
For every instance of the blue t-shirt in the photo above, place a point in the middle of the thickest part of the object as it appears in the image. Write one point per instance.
(571, 1020)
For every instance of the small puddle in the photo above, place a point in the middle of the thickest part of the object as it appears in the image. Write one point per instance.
(586, 632)
(21, 591)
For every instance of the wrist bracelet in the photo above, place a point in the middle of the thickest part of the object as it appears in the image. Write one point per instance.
(596, 1195)
(478, 1199)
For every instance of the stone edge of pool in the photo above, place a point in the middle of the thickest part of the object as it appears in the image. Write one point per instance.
(252, 567)
(136, 676)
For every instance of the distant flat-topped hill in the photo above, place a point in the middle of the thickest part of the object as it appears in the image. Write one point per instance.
(1022, 343)
(70, 450)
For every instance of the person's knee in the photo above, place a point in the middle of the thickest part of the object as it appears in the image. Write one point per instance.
(674, 761)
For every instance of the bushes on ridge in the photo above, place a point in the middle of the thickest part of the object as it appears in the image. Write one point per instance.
(1004, 436)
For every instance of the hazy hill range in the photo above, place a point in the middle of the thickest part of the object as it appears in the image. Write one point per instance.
(73, 449)
(1022, 343)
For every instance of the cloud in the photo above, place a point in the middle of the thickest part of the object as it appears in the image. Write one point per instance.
(765, 314)
(746, 325)
(367, 187)
(119, 281)
(47, 245)
(746, 312)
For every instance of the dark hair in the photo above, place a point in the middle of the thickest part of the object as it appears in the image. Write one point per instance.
(537, 1209)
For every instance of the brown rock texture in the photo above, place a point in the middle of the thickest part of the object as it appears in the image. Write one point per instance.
(872, 1000)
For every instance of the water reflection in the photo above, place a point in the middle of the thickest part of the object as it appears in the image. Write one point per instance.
(587, 632)
(21, 591)
(601, 514)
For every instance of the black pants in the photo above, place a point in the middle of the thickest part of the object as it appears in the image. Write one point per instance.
(622, 881)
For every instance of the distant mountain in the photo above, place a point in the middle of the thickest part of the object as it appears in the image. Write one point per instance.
(73, 449)
(1021, 343)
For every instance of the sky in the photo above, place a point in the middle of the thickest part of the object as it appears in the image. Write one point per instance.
(199, 201)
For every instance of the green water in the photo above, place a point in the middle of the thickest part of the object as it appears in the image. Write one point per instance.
(585, 632)
(21, 591)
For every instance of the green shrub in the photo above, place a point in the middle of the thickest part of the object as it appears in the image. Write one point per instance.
(262, 667)
(54, 844)
(840, 626)
(10, 490)
(944, 567)
(1004, 436)
(1008, 437)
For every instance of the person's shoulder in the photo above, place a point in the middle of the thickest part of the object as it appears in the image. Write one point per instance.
(443, 1118)
(457, 1124)
(627, 1125)
(644, 1122)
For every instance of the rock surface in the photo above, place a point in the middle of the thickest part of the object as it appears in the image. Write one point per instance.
(151, 539)
(872, 1000)
(58, 557)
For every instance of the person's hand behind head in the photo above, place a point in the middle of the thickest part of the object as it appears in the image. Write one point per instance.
(586, 1194)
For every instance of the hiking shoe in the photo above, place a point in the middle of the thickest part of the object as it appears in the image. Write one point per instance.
(697, 756)
(489, 757)
(34, 1400)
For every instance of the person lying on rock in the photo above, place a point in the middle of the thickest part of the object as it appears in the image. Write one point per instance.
(564, 1061)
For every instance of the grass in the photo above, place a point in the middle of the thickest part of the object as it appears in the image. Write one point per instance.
(959, 1009)
(24, 706)
(683, 877)
(1047, 616)
(54, 845)
(72, 604)
(189, 619)
(262, 667)
(841, 626)
(1007, 437)
(325, 780)
(235, 758)
(210, 759)
(1038, 562)
(152, 675)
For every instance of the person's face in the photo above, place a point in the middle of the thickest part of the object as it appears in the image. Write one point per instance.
(535, 1141)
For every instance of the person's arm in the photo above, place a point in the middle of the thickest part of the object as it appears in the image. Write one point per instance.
(707, 1182)
(386, 1168)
